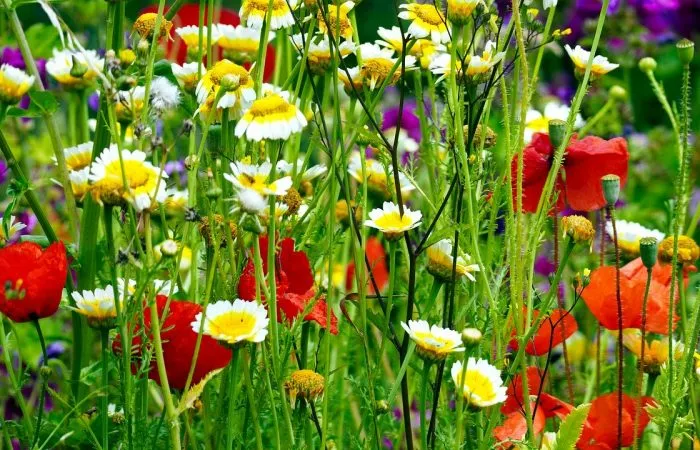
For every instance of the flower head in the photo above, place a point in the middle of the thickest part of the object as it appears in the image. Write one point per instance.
(375, 175)
(145, 26)
(480, 383)
(629, 234)
(145, 183)
(433, 343)
(97, 306)
(441, 262)
(129, 104)
(272, 116)
(187, 75)
(688, 250)
(233, 323)
(31, 280)
(190, 36)
(580, 58)
(240, 43)
(423, 49)
(538, 122)
(460, 11)
(253, 13)
(378, 63)
(236, 81)
(319, 54)
(655, 351)
(305, 384)
(578, 228)
(477, 65)
(79, 156)
(14, 84)
(60, 65)
(79, 182)
(389, 220)
(336, 18)
(257, 178)
(426, 21)
(165, 96)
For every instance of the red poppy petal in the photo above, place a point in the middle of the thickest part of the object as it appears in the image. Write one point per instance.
(535, 169)
(514, 391)
(294, 304)
(296, 266)
(377, 262)
(554, 329)
(586, 162)
(601, 298)
(600, 429)
(514, 428)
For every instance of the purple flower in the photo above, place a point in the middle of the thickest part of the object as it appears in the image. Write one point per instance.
(13, 57)
(178, 170)
(3, 172)
(544, 265)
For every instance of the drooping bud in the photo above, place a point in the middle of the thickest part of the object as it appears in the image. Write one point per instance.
(647, 64)
(611, 188)
(686, 51)
(78, 69)
(578, 228)
(305, 384)
(382, 407)
(648, 248)
(557, 132)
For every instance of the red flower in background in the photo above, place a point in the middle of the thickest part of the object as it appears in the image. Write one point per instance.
(376, 256)
(601, 296)
(600, 428)
(295, 284)
(31, 280)
(585, 162)
(189, 15)
(179, 342)
(558, 326)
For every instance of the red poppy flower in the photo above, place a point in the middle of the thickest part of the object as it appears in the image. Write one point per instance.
(514, 428)
(600, 429)
(585, 162)
(295, 284)
(179, 342)
(601, 296)
(189, 15)
(31, 280)
(377, 260)
(558, 326)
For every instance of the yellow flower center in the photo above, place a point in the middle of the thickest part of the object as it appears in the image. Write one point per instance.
(226, 67)
(259, 7)
(379, 69)
(11, 91)
(428, 14)
(540, 124)
(233, 324)
(140, 179)
(146, 23)
(394, 221)
(460, 9)
(240, 45)
(271, 105)
(476, 384)
(337, 19)
(427, 341)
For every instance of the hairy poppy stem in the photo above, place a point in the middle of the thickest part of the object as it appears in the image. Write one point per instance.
(561, 304)
(640, 369)
(44, 375)
(620, 362)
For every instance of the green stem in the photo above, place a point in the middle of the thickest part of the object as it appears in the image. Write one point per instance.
(423, 402)
(252, 400)
(104, 338)
(620, 341)
(601, 114)
(12, 375)
(640, 369)
(44, 380)
(233, 383)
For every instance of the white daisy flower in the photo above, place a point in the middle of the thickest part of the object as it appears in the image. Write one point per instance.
(161, 287)
(630, 233)
(79, 156)
(188, 74)
(256, 177)
(14, 84)
(460, 11)
(98, 306)
(240, 43)
(176, 201)
(377, 63)
(129, 104)
(426, 21)
(286, 168)
(319, 54)
(79, 182)
(580, 58)
(59, 66)
(233, 323)
(336, 19)
(354, 80)
(389, 220)
(190, 35)
(13, 228)
(145, 182)
(476, 64)
(253, 13)
(537, 122)
(376, 175)
(440, 262)
(251, 201)
(423, 49)
(272, 116)
(433, 343)
(239, 96)
(480, 382)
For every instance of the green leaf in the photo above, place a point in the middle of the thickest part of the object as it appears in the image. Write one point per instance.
(571, 427)
(42, 102)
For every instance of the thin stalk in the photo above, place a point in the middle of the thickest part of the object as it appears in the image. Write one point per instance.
(620, 347)
(233, 382)
(390, 299)
(44, 382)
(641, 363)
(423, 401)
(252, 400)
(104, 340)
(602, 113)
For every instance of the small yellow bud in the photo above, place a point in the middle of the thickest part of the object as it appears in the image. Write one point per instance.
(578, 228)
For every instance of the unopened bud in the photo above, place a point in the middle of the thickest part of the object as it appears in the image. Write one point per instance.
(648, 249)
(611, 189)
(45, 371)
(382, 407)
(557, 131)
(647, 64)
(78, 69)
(618, 93)
(471, 336)
(230, 82)
(168, 247)
(686, 51)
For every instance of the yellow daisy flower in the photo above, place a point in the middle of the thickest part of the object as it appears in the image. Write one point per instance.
(440, 262)
(337, 20)
(240, 44)
(426, 21)
(480, 382)
(145, 26)
(257, 178)
(98, 307)
(233, 323)
(60, 65)
(78, 157)
(14, 84)
(580, 58)
(477, 65)
(272, 116)
(630, 233)
(389, 220)
(240, 93)
(319, 54)
(187, 75)
(433, 343)
(190, 35)
(655, 351)
(253, 13)
(460, 11)
(377, 64)
(423, 49)
(79, 182)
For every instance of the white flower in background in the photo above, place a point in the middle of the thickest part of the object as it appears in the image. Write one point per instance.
(580, 58)
(537, 122)
(251, 201)
(176, 201)
(60, 65)
(272, 116)
(376, 175)
(406, 144)
(188, 74)
(377, 65)
(97, 306)
(351, 79)
(257, 178)
(14, 84)
(440, 262)
(253, 13)
(630, 233)
(423, 49)
(160, 287)
(480, 382)
(235, 79)
(165, 96)
(460, 11)
(426, 21)
(319, 54)
(190, 35)
(79, 182)
(336, 18)
(79, 156)
(286, 168)
(13, 227)
(433, 342)
(389, 220)
(546, 4)
(240, 43)
(476, 64)
(145, 182)
(233, 323)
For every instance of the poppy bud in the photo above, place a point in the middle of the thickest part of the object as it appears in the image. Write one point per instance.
(578, 228)
(686, 51)
(648, 248)
(618, 93)
(647, 65)
(557, 130)
(611, 189)
(471, 336)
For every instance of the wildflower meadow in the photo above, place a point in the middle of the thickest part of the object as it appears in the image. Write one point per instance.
(369, 224)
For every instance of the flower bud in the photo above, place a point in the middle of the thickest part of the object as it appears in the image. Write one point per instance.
(78, 69)
(305, 384)
(557, 130)
(618, 93)
(126, 57)
(648, 248)
(579, 229)
(611, 189)
(230, 82)
(647, 64)
(142, 49)
(688, 250)
(686, 51)
(382, 407)
(471, 336)
(168, 247)
(45, 371)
